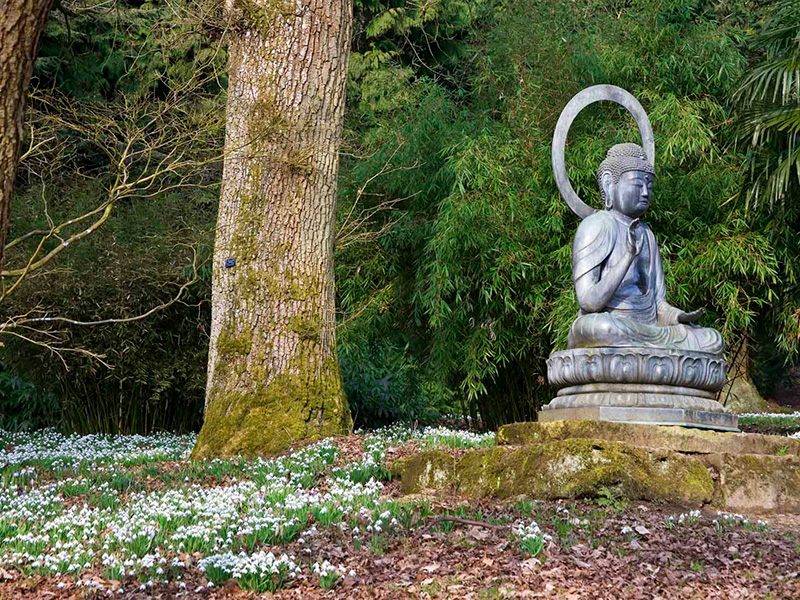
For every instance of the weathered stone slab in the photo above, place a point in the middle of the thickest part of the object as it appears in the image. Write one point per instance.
(679, 439)
(561, 469)
(693, 472)
(757, 483)
(579, 468)
(640, 415)
(431, 470)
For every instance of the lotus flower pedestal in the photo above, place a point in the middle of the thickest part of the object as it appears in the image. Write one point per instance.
(655, 386)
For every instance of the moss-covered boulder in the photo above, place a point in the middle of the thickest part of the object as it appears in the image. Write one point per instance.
(579, 468)
(431, 470)
(552, 468)
(564, 469)
(679, 439)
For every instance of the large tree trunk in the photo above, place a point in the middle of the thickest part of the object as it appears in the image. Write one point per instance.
(21, 26)
(273, 375)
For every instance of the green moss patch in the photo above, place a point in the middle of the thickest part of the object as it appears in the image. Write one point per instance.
(269, 418)
(582, 468)
(434, 469)
(575, 468)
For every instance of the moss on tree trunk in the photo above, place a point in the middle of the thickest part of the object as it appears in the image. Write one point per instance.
(273, 373)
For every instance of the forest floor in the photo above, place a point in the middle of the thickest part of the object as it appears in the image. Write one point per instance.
(132, 517)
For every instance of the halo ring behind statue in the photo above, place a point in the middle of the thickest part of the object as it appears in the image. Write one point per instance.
(580, 101)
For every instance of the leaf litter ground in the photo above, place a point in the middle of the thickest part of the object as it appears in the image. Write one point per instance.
(131, 517)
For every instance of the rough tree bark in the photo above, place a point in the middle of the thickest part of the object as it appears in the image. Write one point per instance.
(21, 26)
(273, 376)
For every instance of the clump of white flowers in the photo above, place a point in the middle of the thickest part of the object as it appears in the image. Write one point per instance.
(433, 436)
(69, 451)
(328, 575)
(692, 517)
(726, 518)
(371, 466)
(530, 538)
(441, 436)
(260, 571)
(793, 415)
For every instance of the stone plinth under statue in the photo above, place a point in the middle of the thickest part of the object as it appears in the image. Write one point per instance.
(632, 356)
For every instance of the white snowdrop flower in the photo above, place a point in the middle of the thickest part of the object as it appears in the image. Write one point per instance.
(626, 530)
(794, 415)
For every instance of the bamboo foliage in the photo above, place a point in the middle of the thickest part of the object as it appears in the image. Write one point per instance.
(769, 97)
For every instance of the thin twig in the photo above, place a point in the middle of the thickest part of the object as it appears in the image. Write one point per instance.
(144, 315)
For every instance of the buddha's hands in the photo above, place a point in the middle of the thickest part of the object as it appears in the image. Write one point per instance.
(634, 243)
(690, 317)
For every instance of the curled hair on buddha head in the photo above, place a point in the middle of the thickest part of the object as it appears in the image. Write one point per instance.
(621, 159)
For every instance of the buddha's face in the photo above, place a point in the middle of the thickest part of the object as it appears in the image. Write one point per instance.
(631, 194)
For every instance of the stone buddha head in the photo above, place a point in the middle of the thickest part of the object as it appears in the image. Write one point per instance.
(626, 180)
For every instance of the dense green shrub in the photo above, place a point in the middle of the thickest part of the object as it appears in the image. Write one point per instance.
(134, 51)
(100, 77)
(383, 386)
(151, 372)
(24, 407)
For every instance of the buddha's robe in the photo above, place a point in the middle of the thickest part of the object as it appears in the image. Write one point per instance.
(638, 313)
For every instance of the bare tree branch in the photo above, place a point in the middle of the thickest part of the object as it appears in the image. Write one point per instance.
(144, 315)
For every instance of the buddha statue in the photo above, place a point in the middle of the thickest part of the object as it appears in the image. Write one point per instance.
(632, 357)
(617, 271)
